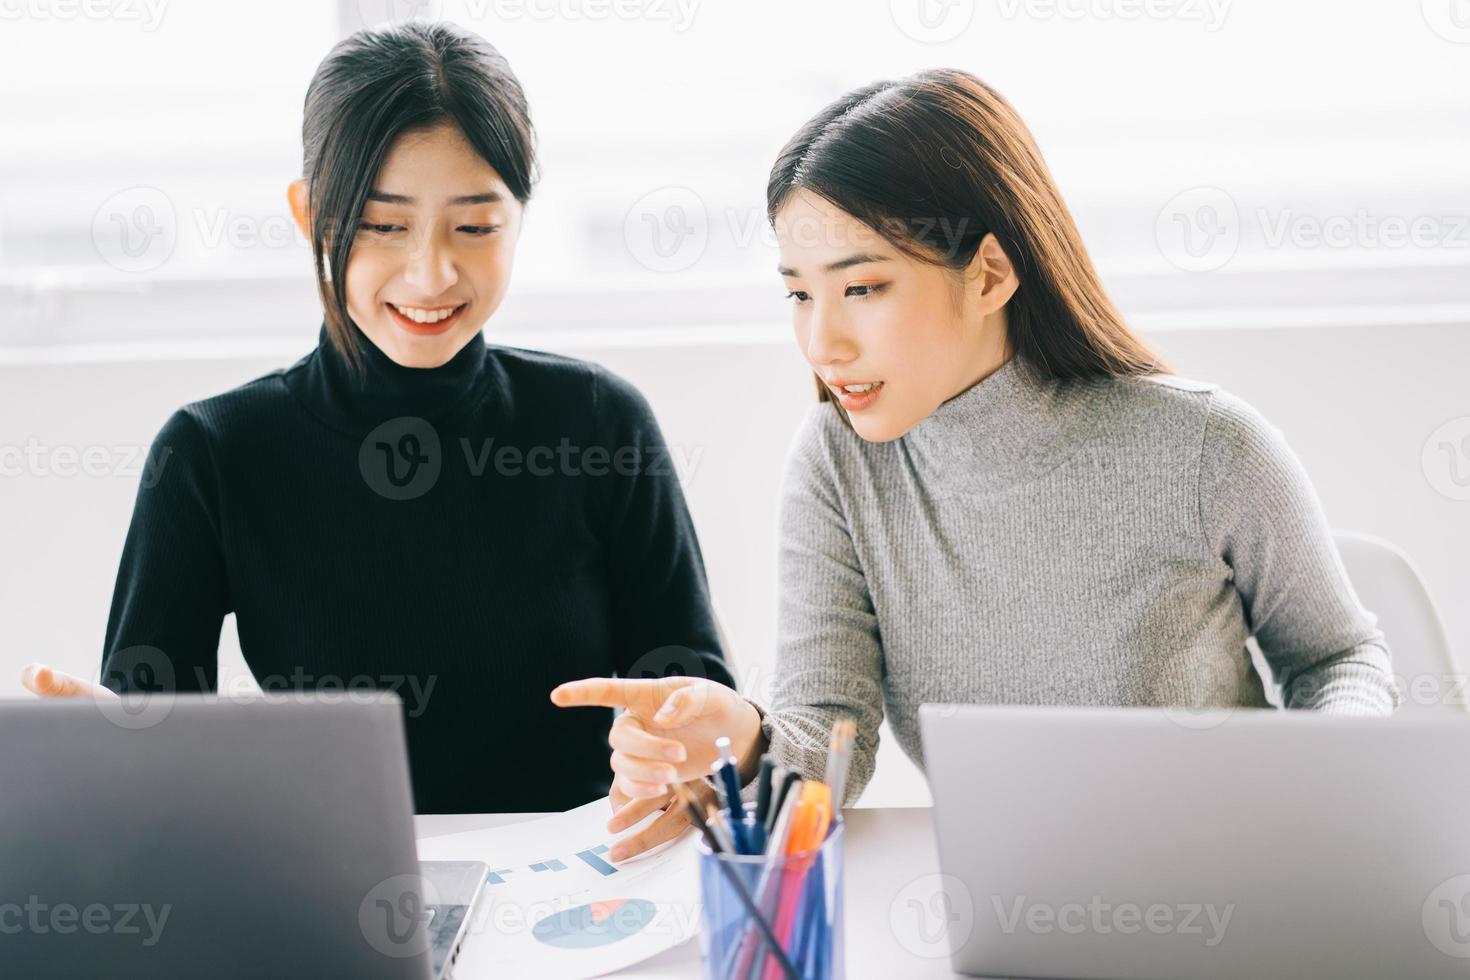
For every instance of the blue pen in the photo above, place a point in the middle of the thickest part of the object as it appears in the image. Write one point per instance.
(806, 936)
(727, 769)
(755, 835)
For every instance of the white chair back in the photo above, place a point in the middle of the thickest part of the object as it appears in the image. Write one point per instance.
(1389, 586)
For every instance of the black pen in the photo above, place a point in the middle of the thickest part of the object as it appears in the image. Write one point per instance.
(763, 791)
(778, 796)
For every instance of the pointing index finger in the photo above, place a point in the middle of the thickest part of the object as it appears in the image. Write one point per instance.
(642, 697)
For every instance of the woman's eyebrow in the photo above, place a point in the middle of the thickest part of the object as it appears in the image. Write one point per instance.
(383, 197)
(843, 263)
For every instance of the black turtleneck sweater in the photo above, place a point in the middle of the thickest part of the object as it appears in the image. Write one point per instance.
(469, 535)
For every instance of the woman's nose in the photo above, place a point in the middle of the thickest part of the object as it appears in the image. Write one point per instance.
(430, 269)
(827, 339)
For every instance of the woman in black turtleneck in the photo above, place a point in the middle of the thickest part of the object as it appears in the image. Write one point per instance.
(406, 507)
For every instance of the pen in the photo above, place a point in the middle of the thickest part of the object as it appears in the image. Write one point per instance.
(755, 827)
(809, 822)
(839, 759)
(763, 788)
(778, 797)
(755, 835)
(742, 955)
(727, 768)
(715, 817)
(811, 913)
(700, 821)
(733, 878)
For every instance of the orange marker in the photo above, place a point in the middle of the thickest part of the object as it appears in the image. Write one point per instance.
(809, 825)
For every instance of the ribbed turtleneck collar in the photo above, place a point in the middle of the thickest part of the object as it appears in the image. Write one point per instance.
(382, 388)
(1006, 429)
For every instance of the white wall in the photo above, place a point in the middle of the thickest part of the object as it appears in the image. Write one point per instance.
(1357, 404)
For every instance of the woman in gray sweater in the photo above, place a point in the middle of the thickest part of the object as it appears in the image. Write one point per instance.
(1005, 496)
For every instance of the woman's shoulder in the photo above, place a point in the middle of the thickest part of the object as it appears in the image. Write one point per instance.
(214, 417)
(1174, 382)
(1229, 433)
(557, 372)
(1171, 395)
(568, 381)
(1221, 410)
(197, 435)
(542, 364)
(1191, 405)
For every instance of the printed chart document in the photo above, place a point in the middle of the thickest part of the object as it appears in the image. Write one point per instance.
(555, 909)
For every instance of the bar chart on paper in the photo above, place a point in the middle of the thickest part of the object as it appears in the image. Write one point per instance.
(556, 908)
(591, 858)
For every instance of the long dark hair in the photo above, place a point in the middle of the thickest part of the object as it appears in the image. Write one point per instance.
(933, 163)
(376, 85)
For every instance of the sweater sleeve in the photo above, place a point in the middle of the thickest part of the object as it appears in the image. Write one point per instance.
(171, 594)
(663, 622)
(1262, 517)
(829, 660)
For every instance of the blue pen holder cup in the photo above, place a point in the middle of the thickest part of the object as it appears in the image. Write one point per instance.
(801, 898)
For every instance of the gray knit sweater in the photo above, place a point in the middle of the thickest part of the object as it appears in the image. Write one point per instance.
(1107, 542)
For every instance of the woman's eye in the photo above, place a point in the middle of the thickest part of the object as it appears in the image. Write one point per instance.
(479, 229)
(798, 295)
(378, 229)
(865, 289)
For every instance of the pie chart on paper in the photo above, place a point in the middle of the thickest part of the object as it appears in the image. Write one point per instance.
(595, 924)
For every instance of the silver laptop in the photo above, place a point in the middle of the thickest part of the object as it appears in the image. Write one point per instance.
(1148, 843)
(189, 836)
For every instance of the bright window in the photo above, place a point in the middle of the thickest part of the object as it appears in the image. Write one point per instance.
(1218, 155)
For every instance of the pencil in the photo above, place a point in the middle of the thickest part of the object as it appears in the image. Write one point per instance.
(839, 759)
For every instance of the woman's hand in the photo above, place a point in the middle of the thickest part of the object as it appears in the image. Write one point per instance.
(670, 824)
(46, 682)
(666, 734)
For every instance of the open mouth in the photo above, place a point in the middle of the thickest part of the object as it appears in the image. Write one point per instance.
(856, 394)
(425, 320)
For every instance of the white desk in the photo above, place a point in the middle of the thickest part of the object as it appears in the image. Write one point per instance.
(891, 927)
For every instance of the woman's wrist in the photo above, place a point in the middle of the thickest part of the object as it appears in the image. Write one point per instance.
(754, 739)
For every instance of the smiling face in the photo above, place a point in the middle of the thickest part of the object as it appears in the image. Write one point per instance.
(892, 337)
(434, 247)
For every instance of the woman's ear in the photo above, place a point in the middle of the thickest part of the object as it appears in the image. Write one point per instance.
(994, 273)
(297, 196)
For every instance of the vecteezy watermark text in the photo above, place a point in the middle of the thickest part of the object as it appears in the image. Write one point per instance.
(1100, 917)
(64, 918)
